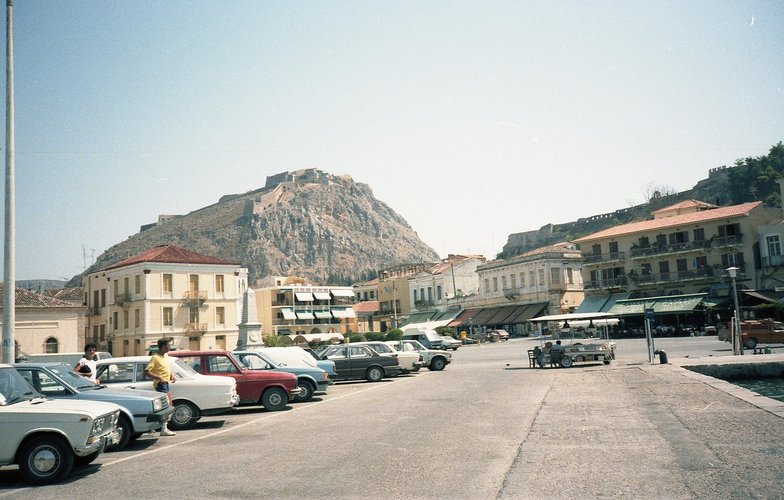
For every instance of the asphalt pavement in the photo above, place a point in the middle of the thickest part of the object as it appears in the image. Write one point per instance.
(488, 426)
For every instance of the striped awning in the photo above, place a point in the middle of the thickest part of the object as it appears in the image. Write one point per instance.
(341, 292)
(288, 314)
(304, 315)
(304, 296)
(322, 295)
(322, 314)
(343, 312)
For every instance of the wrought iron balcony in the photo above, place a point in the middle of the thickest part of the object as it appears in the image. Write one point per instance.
(598, 258)
(122, 299)
(724, 241)
(195, 296)
(621, 282)
(195, 327)
(689, 246)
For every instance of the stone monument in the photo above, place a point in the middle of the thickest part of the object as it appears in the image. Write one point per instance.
(250, 328)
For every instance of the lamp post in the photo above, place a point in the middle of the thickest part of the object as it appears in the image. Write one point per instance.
(737, 338)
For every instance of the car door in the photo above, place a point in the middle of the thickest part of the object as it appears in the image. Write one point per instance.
(45, 383)
(339, 356)
(360, 359)
(220, 364)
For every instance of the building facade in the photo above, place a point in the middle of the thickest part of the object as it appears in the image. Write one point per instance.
(165, 292)
(44, 324)
(289, 306)
(684, 249)
(445, 284)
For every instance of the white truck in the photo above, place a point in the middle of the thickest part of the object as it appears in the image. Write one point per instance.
(47, 437)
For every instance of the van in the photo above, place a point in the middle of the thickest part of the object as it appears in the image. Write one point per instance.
(425, 336)
(69, 358)
(761, 331)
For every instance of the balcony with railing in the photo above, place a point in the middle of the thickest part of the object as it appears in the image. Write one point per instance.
(693, 275)
(123, 299)
(94, 311)
(726, 241)
(773, 260)
(612, 283)
(195, 297)
(599, 258)
(685, 247)
(195, 328)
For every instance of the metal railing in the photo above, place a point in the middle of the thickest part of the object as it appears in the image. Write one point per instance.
(608, 283)
(195, 327)
(195, 296)
(688, 246)
(122, 298)
(723, 241)
(596, 258)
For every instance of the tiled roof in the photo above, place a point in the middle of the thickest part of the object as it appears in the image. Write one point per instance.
(367, 306)
(30, 299)
(557, 247)
(75, 293)
(676, 220)
(171, 254)
(447, 263)
(687, 204)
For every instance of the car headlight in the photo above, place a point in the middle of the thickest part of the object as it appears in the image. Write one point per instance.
(157, 404)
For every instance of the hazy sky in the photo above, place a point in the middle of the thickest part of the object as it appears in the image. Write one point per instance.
(472, 120)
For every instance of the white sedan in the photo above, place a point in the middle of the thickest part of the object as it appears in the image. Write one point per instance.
(194, 395)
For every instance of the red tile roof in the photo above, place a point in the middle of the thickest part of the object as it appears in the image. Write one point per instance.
(688, 204)
(368, 306)
(30, 299)
(676, 220)
(563, 246)
(171, 254)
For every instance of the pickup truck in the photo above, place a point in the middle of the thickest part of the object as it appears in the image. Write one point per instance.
(269, 388)
(47, 437)
(761, 331)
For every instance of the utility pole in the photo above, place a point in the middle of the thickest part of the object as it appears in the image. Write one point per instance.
(9, 287)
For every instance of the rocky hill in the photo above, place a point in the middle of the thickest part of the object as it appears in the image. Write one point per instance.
(326, 228)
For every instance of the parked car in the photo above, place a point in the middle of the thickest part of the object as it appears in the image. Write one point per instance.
(434, 360)
(497, 335)
(194, 395)
(361, 362)
(425, 336)
(304, 355)
(310, 379)
(271, 389)
(47, 437)
(450, 343)
(140, 411)
(409, 361)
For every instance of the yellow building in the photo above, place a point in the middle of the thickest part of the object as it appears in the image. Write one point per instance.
(289, 306)
(684, 249)
(166, 291)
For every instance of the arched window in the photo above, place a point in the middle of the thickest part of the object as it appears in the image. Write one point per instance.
(51, 345)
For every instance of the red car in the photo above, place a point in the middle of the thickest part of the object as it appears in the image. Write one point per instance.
(269, 388)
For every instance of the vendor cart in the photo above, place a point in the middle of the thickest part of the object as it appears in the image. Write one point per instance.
(596, 349)
(579, 352)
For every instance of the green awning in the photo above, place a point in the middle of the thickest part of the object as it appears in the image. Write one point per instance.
(612, 300)
(629, 307)
(677, 304)
(592, 304)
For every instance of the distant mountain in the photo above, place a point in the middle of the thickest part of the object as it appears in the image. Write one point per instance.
(326, 228)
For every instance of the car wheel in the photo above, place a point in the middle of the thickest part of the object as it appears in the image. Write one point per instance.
(751, 343)
(185, 415)
(607, 360)
(82, 461)
(274, 399)
(374, 374)
(125, 429)
(306, 391)
(566, 362)
(45, 459)
(437, 364)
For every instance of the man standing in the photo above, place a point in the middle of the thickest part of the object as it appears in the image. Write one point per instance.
(86, 367)
(159, 370)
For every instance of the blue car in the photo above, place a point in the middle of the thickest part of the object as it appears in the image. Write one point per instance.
(310, 379)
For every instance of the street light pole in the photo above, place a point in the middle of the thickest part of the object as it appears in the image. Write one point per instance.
(9, 265)
(737, 336)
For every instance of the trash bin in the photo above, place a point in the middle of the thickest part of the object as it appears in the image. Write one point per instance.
(662, 357)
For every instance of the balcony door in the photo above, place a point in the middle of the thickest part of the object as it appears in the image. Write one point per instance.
(193, 282)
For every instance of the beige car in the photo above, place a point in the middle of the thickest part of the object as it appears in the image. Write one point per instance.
(408, 361)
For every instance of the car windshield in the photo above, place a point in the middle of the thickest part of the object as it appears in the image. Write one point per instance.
(68, 376)
(182, 369)
(416, 345)
(254, 361)
(381, 348)
(14, 388)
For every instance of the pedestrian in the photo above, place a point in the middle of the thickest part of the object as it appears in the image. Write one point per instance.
(556, 353)
(86, 367)
(539, 356)
(159, 370)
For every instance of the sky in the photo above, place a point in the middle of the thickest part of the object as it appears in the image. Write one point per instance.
(472, 120)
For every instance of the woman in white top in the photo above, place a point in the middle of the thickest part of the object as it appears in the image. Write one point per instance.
(87, 367)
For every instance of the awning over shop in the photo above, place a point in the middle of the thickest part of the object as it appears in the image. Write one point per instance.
(304, 315)
(677, 304)
(612, 300)
(484, 315)
(760, 296)
(304, 296)
(531, 310)
(421, 317)
(322, 314)
(288, 314)
(341, 292)
(464, 317)
(502, 314)
(592, 304)
(343, 312)
(671, 304)
(322, 295)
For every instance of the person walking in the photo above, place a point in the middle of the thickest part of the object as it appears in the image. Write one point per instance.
(86, 367)
(159, 370)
